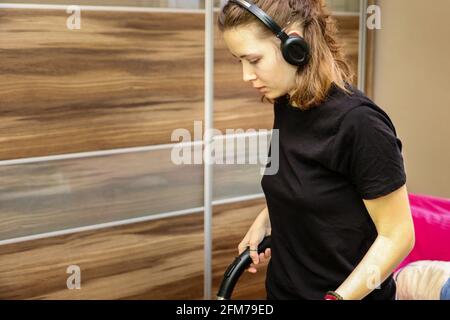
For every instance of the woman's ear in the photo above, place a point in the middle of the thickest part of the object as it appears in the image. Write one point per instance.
(293, 33)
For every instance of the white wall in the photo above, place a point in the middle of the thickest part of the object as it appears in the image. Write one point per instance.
(412, 71)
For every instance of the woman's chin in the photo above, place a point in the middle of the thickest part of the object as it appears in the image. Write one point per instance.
(272, 95)
(268, 94)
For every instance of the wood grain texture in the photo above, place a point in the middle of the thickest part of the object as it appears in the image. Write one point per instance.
(230, 224)
(125, 79)
(348, 27)
(56, 195)
(160, 259)
(114, 83)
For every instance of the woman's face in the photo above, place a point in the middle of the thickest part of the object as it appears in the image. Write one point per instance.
(263, 64)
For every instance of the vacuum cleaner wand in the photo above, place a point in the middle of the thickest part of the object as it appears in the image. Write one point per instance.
(235, 270)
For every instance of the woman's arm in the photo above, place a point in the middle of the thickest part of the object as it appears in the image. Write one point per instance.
(392, 217)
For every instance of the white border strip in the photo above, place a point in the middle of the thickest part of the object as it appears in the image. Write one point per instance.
(362, 46)
(344, 14)
(100, 153)
(130, 221)
(239, 199)
(131, 9)
(266, 132)
(208, 167)
(102, 226)
(99, 8)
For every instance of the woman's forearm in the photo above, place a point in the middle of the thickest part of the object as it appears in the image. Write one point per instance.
(385, 254)
(263, 218)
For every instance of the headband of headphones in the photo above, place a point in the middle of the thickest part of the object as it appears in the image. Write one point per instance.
(261, 15)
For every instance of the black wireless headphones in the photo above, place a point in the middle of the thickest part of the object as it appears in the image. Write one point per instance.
(294, 48)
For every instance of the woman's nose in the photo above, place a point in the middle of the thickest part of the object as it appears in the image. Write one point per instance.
(248, 74)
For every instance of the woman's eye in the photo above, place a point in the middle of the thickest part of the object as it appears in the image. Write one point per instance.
(251, 62)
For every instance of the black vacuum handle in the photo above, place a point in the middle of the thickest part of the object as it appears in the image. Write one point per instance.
(235, 270)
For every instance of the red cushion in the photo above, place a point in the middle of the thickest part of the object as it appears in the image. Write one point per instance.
(431, 216)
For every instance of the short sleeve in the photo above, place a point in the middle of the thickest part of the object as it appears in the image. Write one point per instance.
(367, 151)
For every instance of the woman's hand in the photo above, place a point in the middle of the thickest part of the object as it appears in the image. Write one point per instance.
(259, 229)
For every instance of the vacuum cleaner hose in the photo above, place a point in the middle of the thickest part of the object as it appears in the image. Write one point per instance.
(235, 270)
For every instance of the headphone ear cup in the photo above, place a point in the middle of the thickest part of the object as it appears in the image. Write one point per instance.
(295, 51)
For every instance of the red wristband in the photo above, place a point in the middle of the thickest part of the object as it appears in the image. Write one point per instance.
(331, 295)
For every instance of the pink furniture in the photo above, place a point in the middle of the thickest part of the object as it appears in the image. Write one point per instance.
(431, 217)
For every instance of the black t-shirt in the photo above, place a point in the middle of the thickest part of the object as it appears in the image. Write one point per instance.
(330, 158)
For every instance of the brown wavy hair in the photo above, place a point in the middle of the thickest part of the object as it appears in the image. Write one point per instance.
(327, 64)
